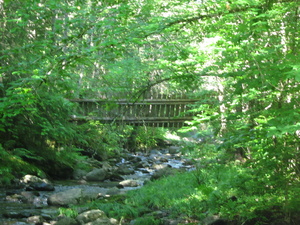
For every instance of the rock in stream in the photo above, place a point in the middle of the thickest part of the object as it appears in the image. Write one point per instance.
(39, 199)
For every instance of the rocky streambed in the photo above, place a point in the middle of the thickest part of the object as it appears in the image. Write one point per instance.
(36, 200)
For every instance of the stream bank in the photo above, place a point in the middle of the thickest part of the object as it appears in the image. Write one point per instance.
(30, 204)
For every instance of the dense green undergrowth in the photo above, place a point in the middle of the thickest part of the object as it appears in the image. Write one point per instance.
(232, 190)
(55, 153)
(240, 59)
(229, 191)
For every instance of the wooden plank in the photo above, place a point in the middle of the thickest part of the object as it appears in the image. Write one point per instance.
(153, 123)
(156, 119)
(157, 110)
(124, 101)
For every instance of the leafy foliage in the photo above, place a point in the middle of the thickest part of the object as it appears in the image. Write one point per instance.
(12, 164)
(144, 138)
(240, 58)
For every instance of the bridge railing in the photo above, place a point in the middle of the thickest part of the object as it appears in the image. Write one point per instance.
(149, 112)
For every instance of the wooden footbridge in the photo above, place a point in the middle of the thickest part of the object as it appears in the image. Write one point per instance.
(161, 111)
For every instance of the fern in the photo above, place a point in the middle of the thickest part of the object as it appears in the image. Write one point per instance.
(24, 153)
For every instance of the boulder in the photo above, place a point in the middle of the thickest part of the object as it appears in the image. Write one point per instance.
(91, 215)
(115, 177)
(174, 149)
(113, 191)
(135, 159)
(18, 215)
(14, 197)
(65, 198)
(49, 213)
(128, 183)
(92, 193)
(29, 197)
(34, 183)
(167, 171)
(124, 169)
(40, 186)
(23, 196)
(95, 217)
(78, 174)
(36, 220)
(104, 221)
(97, 175)
(32, 179)
(141, 164)
(160, 166)
(67, 221)
(155, 152)
(162, 159)
(74, 196)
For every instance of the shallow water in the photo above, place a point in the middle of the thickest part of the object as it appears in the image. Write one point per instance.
(40, 202)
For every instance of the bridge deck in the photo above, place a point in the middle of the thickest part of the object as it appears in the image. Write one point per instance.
(149, 112)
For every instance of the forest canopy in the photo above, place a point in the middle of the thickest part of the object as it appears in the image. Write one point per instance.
(240, 58)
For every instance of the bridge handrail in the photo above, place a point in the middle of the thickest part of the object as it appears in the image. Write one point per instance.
(153, 112)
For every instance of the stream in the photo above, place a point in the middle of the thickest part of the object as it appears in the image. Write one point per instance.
(14, 212)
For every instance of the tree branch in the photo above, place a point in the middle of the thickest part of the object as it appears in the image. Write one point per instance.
(196, 18)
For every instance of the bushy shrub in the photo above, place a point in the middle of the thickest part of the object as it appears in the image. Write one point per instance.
(12, 165)
(144, 138)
